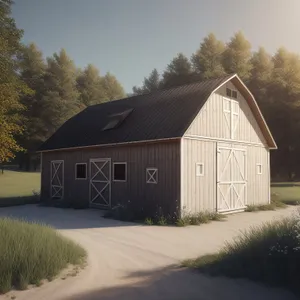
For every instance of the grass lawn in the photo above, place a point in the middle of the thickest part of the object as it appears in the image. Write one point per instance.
(18, 187)
(268, 253)
(33, 252)
(286, 192)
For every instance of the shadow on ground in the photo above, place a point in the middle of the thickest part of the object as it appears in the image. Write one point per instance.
(180, 283)
(62, 218)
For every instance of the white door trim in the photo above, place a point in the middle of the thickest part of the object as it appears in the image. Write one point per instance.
(106, 181)
(238, 205)
(57, 190)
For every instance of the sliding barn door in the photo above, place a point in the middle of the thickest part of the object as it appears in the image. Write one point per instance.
(231, 182)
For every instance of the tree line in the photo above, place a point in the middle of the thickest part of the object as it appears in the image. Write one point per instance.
(274, 80)
(38, 95)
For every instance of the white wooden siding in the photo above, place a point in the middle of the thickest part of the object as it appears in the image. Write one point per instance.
(258, 184)
(211, 120)
(198, 192)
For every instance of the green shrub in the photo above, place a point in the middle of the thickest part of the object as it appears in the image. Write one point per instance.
(268, 253)
(199, 218)
(149, 221)
(162, 221)
(32, 252)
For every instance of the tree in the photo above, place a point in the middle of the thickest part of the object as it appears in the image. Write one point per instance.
(207, 61)
(90, 87)
(178, 72)
(283, 111)
(11, 87)
(61, 98)
(112, 88)
(150, 84)
(32, 71)
(236, 58)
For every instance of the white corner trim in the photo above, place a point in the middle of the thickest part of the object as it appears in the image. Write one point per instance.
(119, 163)
(152, 175)
(76, 178)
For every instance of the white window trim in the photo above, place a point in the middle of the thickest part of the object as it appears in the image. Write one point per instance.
(200, 174)
(76, 178)
(120, 163)
(232, 114)
(151, 178)
(259, 170)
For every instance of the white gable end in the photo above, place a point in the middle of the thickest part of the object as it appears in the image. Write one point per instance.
(226, 118)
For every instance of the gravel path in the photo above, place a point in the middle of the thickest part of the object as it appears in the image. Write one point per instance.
(130, 261)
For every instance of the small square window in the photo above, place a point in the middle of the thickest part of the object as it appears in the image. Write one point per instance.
(120, 171)
(80, 171)
(234, 94)
(199, 169)
(151, 175)
(259, 169)
(228, 92)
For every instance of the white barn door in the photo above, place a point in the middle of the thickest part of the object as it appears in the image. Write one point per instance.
(231, 178)
(57, 179)
(100, 182)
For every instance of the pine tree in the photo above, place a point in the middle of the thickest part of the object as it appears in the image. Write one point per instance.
(207, 61)
(112, 88)
(89, 85)
(32, 71)
(178, 72)
(11, 87)
(150, 84)
(61, 99)
(236, 58)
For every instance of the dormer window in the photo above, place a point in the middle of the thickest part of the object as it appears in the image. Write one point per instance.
(116, 120)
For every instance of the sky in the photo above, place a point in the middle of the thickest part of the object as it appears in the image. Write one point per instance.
(129, 38)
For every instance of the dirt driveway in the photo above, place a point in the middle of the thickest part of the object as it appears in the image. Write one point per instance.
(130, 261)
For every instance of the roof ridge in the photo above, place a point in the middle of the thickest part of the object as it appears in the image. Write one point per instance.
(168, 89)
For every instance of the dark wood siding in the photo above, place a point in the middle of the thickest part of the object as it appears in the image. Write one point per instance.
(165, 156)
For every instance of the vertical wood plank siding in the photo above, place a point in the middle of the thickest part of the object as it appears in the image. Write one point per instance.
(165, 156)
(211, 121)
(199, 144)
(199, 192)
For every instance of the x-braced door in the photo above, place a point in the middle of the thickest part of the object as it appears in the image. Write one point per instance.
(57, 179)
(100, 182)
(232, 182)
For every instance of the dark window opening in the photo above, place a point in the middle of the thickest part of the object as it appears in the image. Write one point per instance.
(234, 94)
(228, 92)
(120, 171)
(80, 171)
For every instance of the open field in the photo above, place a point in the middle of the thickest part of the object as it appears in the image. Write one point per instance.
(287, 192)
(19, 187)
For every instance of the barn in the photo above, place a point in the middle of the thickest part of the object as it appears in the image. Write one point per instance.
(201, 146)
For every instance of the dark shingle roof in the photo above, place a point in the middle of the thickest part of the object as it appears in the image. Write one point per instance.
(159, 115)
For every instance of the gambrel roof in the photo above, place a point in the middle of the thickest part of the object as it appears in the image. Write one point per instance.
(160, 115)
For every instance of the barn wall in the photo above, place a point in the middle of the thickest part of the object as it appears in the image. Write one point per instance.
(258, 185)
(164, 155)
(211, 121)
(198, 192)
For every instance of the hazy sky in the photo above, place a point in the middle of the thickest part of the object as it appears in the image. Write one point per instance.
(131, 37)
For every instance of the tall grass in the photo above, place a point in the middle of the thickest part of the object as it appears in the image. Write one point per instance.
(269, 253)
(32, 252)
